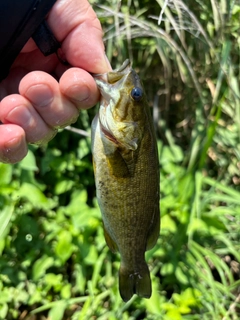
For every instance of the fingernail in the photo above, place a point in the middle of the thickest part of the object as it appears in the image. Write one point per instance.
(13, 143)
(40, 95)
(78, 93)
(21, 116)
(14, 150)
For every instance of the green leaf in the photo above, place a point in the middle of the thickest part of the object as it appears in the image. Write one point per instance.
(154, 304)
(35, 196)
(54, 280)
(173, 314)
(35, 295)
(197, 225)
(63, 186)
(5, 216)
(84, 148)
(5, 173)
(4, 311)
(188, 298)
(167, 223)
(167, 268)
(66, 291)
(57, 312)
(41, 265)
(5, 296)
(181, 276)
(64, 247)
(29, 162)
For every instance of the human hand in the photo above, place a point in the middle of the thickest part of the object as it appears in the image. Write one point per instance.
(34, 104)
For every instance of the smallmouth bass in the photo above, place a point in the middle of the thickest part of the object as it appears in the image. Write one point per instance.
(126, 169)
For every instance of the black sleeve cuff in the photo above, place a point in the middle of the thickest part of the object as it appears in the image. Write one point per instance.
(19, 21)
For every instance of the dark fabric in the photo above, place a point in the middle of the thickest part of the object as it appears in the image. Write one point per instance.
(19, 19)
(45, 40)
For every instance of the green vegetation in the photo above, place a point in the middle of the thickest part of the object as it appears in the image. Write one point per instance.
(54, 263)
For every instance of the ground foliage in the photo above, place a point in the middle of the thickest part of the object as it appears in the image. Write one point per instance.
(54, 263)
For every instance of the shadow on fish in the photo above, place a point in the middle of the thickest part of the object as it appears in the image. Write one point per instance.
(126, 168)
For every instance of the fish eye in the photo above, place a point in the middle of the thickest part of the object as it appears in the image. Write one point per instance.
(136, 94)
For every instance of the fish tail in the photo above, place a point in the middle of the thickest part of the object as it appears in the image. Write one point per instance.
(137, 282)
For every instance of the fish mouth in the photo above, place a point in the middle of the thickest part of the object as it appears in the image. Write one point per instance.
(105, 89)
(108, 98)
(126, 66)
(110, 85)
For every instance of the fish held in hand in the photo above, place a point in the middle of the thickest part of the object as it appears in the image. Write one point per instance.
(126, 169)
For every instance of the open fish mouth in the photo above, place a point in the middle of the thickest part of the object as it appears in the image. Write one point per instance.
(113, 113)
(110, 83)
(124, 67)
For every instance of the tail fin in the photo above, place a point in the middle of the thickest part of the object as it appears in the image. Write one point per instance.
(138, 282)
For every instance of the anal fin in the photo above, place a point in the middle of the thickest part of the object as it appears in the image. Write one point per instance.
(154, 229)
(111, 244)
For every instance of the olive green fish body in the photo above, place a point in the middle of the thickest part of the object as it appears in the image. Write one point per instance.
(126, 170)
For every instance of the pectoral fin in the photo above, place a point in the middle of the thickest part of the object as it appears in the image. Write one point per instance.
(121, 159)
(118, 167)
